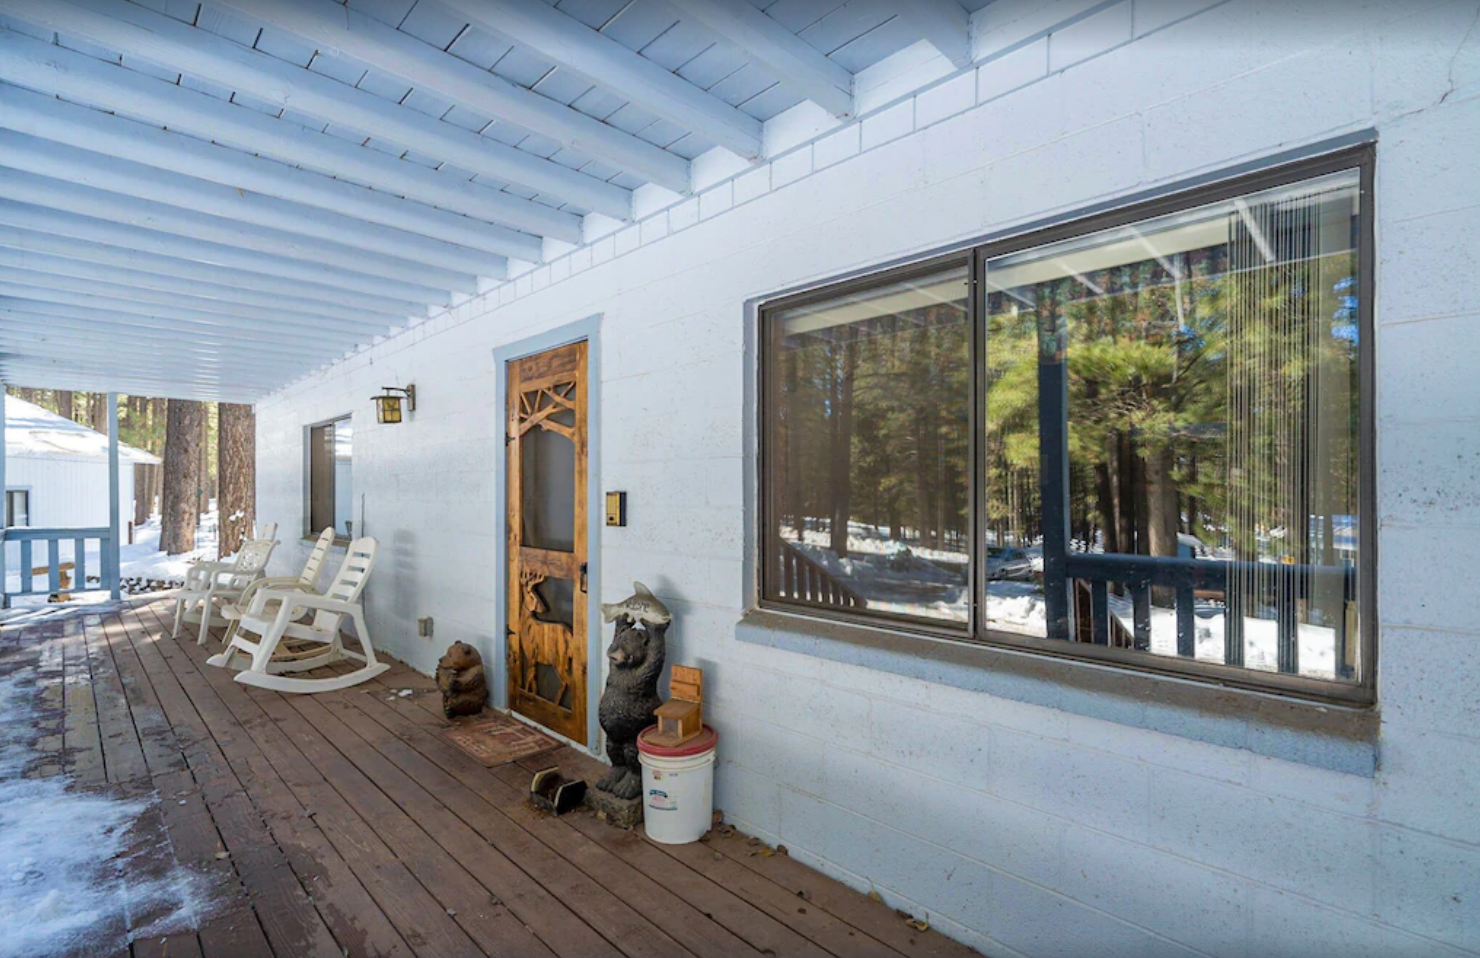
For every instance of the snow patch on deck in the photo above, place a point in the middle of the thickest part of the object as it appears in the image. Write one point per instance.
(79, 869)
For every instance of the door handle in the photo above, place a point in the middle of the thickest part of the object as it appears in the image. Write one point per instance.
(583, 577)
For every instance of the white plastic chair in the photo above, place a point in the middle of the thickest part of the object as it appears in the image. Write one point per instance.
(312, 644)
(305, 581)
(207, 583)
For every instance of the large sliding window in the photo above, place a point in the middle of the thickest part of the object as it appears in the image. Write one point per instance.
(1143, 437)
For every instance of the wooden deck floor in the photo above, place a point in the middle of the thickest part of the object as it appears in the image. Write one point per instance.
(350, 827)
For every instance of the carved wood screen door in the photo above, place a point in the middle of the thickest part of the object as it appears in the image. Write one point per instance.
(546, 439)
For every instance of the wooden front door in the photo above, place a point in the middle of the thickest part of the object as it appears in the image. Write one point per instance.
(546, 438)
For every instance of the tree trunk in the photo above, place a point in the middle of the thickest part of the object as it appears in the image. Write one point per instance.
(65, 406)
(203, 477)
(1125, 493)
(178, 513)
(1161, 498)
(141, 494)
(97, 412)
(236, 474)
(1105, 499)
(842, 448)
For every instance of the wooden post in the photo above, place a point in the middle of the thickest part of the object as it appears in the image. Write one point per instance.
(111, 561)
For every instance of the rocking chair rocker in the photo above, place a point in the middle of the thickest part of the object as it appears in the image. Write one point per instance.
(284, 645)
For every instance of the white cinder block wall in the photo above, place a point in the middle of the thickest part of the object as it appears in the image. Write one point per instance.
(1022, 829)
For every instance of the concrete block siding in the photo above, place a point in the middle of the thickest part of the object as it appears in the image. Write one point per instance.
(1023, 829)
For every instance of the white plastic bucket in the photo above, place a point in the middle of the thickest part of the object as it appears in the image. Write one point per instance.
(678, 788)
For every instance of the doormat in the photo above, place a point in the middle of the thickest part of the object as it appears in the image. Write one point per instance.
(498, 739)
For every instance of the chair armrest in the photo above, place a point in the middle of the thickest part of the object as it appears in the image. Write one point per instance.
(281, 582)
(263, 596)
(314, 602)
(238, 581)
(205, 572)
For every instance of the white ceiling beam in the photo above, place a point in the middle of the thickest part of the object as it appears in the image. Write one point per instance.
(571, 44)
(340, 30)
(44, 373)
(49, 373)
(326, 331)
(91, 322)
(119, 261)
(226, 308)
(43, 66)
(164, 284)
(134, 30)
(60, 223)
(88, 335)
(163, 357)
(944, 23)
(59, 161)
(27, 187)
(149, 360)
(794, 61)
(88, 129)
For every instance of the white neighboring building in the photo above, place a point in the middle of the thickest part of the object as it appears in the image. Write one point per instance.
(56, 475)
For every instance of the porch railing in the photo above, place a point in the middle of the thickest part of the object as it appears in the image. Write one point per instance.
(52, 539)
(1279, 586)
(803, 580)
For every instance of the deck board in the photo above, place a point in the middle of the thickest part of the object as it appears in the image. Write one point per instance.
(344, 824)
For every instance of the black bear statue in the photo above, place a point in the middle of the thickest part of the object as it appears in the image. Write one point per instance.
(629, 700)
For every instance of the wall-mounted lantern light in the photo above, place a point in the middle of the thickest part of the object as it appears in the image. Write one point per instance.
(388, 403)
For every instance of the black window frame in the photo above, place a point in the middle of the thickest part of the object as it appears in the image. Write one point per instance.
(1361, 693)
(10, 512)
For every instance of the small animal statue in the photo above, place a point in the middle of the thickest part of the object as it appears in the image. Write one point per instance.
(542, 641)
(461, 679)
(630, 699)
(640, 606)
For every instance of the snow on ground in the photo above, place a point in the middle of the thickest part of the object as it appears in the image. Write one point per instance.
(1018, 607)
(77, 869)
(143, 560)
(138, 560)
(932, 583)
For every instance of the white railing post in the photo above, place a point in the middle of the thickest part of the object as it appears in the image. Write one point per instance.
(112, 561)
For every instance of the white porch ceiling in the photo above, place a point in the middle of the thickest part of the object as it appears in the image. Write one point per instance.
(210, 200)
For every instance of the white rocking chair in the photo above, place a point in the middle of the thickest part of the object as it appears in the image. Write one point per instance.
(207, 583)
(305, 581)
(312, 644)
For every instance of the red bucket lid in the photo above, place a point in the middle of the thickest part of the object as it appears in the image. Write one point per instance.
(699, 744)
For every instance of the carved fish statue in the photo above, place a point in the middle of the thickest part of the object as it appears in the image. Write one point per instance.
(640, 606)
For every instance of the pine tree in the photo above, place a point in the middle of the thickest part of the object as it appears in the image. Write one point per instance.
(236, 470)
(179, 512)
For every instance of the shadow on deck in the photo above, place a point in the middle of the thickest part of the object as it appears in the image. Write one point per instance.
(344, 824)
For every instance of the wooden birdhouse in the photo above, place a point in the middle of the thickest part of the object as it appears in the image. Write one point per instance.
(682, 716)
